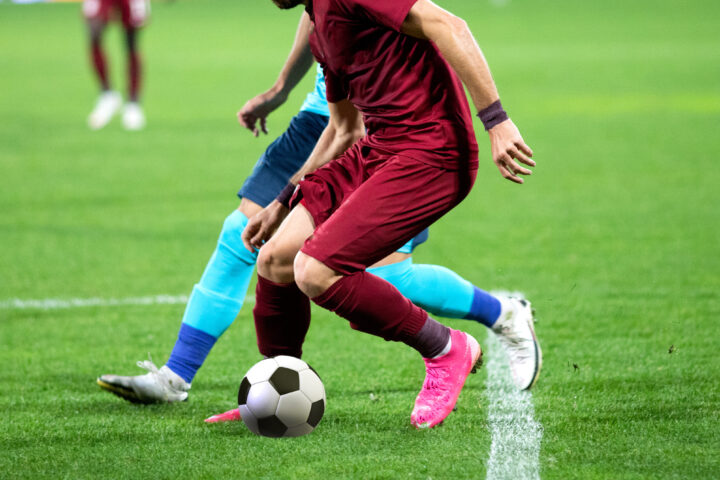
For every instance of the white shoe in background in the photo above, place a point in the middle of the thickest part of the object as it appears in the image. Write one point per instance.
(516, 333)
(133, 116)
(106, 107)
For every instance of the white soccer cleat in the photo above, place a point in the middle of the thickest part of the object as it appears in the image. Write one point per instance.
(159, 386)
(106, 107)
(133, 116)
(515, 331)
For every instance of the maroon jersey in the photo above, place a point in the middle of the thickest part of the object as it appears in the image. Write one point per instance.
(412, 102)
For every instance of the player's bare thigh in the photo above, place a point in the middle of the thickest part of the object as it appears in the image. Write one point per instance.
(275, 260)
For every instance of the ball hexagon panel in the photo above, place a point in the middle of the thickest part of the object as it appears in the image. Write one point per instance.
(316, 413)
(311, 385)
(271, 427)
(262, 400)
(293, 409)
(261, 371)
(285, 380)
(298, 430)
(291, 362)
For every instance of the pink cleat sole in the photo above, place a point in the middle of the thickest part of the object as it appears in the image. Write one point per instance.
(444, 379)
(229, 416)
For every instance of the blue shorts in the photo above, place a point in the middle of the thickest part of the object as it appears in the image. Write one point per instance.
(285, 155)
(283, 158)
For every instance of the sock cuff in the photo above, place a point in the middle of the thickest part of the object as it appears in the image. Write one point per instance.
(272, 284)
(327, 295)
(188, 333)
(413, 323)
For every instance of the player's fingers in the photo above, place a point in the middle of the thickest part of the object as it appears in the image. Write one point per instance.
(517, 154)
(509, 175)
(513, 166)
(263, 125)
(246, 242)
(524, 148)
(247, 234)
(257, 239)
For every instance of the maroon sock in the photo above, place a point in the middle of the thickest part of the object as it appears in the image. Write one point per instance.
(282, 318)
(99, 65)
(374, 306)
(134, 73)
(431, 340)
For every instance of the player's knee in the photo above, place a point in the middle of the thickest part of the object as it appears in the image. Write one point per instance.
(231, 237)
(312, 276)
(275, 263)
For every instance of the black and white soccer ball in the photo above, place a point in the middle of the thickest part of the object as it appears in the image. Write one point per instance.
(281, 397)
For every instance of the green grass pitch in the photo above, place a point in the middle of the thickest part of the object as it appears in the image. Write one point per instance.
(614, 238)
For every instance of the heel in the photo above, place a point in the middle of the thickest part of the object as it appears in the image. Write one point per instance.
(476, 352)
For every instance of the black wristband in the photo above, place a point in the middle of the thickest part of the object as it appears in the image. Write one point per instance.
(286, 194)
(492, 115)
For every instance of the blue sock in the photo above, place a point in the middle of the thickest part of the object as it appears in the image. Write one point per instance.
(191, 348)
(485, 308)
(440, 291)
(216, 300)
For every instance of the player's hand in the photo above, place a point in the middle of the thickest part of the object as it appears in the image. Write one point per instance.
(257, 109)
(263, 225)
(509, 148)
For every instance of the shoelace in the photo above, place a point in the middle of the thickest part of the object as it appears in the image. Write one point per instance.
(148, 365)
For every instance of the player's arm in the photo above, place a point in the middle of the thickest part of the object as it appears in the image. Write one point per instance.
(457, 45)
(343, 130)
(296, 66)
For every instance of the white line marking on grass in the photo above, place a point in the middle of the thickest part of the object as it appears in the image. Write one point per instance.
(516, 435)
(62, 303)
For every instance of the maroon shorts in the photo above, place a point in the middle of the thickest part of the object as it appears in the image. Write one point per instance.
(132, 13)
(367, 204)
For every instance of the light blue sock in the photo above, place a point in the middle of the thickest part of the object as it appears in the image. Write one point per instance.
(440, 291)
(216, 300)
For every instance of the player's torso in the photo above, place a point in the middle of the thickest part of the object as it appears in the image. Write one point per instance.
(403, 87)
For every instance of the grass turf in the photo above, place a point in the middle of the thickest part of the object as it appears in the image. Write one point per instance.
(614, 239)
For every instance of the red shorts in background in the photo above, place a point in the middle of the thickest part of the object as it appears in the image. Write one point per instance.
(368, 203)
(133, 13)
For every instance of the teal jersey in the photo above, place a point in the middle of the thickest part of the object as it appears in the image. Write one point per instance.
(316, 101)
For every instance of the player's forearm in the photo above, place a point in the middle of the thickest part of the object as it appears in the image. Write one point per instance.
(458, 46)
(332, 143)
(298, 62)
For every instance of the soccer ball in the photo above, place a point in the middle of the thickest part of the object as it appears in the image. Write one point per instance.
(281, 397)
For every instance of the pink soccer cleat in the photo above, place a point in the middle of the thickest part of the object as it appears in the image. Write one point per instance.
(229, 416)
(444, 378)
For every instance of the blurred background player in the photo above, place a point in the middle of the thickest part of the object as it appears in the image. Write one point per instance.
(217, 299)
(133, 14)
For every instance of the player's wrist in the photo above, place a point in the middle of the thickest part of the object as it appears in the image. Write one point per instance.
(279, 92)
(492, 115)
(286, 195)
